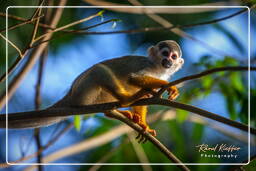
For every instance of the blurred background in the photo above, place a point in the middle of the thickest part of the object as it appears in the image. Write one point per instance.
(86, 139)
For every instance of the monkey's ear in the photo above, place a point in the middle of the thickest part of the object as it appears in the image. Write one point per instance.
(151, 51)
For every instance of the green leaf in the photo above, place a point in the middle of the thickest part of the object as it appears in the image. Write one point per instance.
(77, 122)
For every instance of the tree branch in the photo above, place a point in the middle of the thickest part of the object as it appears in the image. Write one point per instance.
(21, 24)
(69, 111)
(69, 25)
(204, 73)
(156, 10)
(12, 44)
(149, 137)
(162, 21)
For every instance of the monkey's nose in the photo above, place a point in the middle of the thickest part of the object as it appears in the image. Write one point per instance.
(166, 63)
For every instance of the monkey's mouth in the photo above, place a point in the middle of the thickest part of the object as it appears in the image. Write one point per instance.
(166, 63)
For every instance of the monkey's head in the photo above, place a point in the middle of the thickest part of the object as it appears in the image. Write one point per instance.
(167, 54)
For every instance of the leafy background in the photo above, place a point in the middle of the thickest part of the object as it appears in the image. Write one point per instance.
(224, 93)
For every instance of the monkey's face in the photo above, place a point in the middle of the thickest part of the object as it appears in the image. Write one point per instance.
(167, 54)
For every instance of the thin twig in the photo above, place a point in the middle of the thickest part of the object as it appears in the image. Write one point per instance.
(24, 20)
(69, 25)
(12, 44)
(157, 10)
(20, 24)
(162, 21)
(204, 73)
(37, 92)
(35, 27)
(79, 31)
(150, 138)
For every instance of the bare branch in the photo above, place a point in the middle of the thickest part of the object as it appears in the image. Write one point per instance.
(12, 44)
(25, 20)
(35, 26)
(138, 10)
(69, 25)
(21, 24)
(151, 138)
(204, 73)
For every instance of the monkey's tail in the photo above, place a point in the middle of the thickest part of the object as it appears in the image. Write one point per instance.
(28, 120)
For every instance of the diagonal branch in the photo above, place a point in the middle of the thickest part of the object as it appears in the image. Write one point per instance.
(126, 9)
(12, 44)
(151, 138)
(204, 73)
(69, 25)
(162, 21)
(24, 20)
(29, 21)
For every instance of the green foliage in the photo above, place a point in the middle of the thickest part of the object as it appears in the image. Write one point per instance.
(230, 84)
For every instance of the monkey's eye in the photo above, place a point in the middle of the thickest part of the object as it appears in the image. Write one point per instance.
(165, 53)
(174, 56)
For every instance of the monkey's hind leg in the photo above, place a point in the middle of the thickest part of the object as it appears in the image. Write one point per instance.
(139, 117)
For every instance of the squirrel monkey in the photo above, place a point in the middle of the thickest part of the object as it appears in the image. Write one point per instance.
(125, 79)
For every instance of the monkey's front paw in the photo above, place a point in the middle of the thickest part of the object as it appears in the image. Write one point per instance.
(173, 92)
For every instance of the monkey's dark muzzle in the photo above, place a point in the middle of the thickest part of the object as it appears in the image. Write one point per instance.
(166, 63)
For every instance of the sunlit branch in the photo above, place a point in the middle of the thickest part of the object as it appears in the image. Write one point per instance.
(69, 25)
(204, 73)
(12, 44)
(21, 24)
